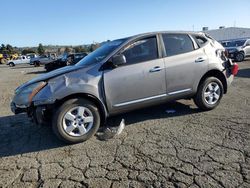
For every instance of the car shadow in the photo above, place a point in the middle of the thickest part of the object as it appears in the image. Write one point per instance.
(22, 67)
(37, 72)
(18, 135)
(171, 109)
(244, 73)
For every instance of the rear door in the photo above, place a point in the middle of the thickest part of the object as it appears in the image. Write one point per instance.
(185, 62)
(140, 81)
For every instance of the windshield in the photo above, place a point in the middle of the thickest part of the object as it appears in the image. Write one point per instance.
(234, 43)
(100, 53)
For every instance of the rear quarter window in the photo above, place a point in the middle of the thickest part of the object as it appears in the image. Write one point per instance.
(176, 44)
(200, 40)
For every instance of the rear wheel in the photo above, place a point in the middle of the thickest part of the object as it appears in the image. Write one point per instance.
(76, 120)
(11, 64)
(239, 57)
(36, 63)
(209, 94)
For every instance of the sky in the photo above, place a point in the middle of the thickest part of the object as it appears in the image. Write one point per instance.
(75, 22)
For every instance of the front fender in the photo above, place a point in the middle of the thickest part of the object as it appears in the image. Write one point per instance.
(69, 84)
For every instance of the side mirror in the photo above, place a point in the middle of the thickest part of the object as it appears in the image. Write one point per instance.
(119, 59)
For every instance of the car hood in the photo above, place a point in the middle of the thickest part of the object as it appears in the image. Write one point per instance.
(52, 74)
(233, 48)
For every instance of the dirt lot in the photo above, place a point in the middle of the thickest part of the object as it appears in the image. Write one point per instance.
(188, 148)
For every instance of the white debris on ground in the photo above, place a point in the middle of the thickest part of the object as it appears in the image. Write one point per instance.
(111, 132)
(170, 111)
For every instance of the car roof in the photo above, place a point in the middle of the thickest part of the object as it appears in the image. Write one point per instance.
(161, 32)
(166, 32)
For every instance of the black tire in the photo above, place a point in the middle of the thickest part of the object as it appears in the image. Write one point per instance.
(201, 101)
(11, 64)
(239, 57)
(37, 64)
(48, 68)
(57, 123)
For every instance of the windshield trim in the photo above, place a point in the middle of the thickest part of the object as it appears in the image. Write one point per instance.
(123, 40)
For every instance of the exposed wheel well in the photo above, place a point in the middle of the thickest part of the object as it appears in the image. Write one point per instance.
(97, 102)
(242, 52)
(218, 74)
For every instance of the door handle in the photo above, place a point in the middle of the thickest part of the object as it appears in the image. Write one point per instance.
(156, 69)
(200, 59)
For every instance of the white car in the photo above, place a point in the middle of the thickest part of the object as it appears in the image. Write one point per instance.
(20, 60)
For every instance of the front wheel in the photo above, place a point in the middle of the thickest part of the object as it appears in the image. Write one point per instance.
(76, 120)
(209, 94)
(239, 57)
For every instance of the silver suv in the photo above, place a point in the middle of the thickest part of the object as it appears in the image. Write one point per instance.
(127, 74)
(237, 49)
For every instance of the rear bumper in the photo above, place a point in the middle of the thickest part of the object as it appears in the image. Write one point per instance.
(230, 71)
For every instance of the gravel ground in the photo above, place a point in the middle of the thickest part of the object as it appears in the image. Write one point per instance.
(188, 148)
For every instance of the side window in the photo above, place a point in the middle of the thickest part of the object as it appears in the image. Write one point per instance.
(141, 50)
(200, 40)
(248, 43)
(177, 44)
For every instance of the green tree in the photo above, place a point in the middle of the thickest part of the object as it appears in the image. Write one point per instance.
(80, 49)
(27, 51)
(2, 48)
(40, 49)
(93, 47)
(67, 50)
(8, 49)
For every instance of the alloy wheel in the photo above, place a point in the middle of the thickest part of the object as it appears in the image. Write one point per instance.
(239, 57)
(78, 121)
(212, 93)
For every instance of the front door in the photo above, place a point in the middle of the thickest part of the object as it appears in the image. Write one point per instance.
(141, 81)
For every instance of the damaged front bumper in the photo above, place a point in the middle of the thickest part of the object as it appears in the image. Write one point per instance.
(38, 114)
(17, 109)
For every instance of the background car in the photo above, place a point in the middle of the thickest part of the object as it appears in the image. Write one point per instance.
(31, 55)
(20, 60)
(237, 49)
(65, 60)
(42, 60)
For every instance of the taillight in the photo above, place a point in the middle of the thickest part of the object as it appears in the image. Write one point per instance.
(235, 69)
